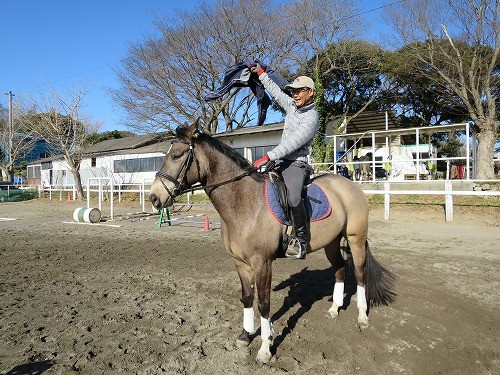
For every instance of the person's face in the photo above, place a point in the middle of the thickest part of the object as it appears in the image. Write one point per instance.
(302, 96)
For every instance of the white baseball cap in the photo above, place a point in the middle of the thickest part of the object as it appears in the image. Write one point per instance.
(301, 81)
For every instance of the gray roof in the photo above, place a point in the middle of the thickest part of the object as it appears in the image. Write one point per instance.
(139, 144)
(124, 144)
(371, 121)
(251, 130)
(159, 146)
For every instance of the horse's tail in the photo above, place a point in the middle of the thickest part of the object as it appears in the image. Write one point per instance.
(379, 281)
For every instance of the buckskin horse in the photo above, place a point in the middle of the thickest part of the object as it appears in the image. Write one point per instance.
(253, 236)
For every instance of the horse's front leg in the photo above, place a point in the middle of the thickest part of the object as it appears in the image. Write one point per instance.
(263, 275)
(247, 297)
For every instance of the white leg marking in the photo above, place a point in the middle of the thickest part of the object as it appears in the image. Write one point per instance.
(362, 307)
(338, 299)
(338, 293)
(266, 328)
(266, 334)
(248, 320)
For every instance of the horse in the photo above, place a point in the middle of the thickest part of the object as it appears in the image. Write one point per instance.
(252, 235)
(366, 168)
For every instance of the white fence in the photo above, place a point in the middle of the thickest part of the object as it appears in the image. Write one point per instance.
(104, 185)
(448, 194)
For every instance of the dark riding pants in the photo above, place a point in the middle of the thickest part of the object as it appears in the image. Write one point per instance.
(295, 174)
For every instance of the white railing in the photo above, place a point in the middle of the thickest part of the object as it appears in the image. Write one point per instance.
(141, 189)
(70, 189)
(448, 196)
(468, 159)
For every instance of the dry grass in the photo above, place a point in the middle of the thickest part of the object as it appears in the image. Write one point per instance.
(458, 200)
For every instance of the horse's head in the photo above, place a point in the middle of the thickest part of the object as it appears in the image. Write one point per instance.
(180, 169)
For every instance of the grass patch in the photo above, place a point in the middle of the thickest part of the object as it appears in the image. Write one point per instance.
(458, 200)
(194, 198)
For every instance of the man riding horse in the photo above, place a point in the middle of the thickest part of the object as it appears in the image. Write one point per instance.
(291, 154)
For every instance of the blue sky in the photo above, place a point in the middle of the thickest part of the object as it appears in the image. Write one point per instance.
(66, 42)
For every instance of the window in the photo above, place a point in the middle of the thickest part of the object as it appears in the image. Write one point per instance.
(47, 165)
(133, 165)
(33, 171)
(240, 151)
(151, 164)
(159, 162)
(120, 166)
(259, 151)
(147, 164)
(93, 162)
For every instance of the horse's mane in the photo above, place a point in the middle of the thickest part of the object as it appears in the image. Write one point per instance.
(227, 151)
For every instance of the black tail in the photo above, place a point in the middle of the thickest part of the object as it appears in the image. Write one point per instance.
(379, 281)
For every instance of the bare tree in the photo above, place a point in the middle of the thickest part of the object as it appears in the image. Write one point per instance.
(457, 45)
(58, 120)
(16, 140)
(165, 78)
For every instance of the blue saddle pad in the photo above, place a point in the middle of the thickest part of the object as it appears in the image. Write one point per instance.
(317, 208)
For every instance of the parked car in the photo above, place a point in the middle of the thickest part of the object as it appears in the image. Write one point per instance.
(11, 193)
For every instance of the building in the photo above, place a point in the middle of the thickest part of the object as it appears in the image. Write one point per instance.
(126, 160)
(253, 142)
(135, 160)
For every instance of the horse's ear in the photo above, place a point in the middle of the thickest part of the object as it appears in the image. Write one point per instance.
(188, 131)
(193, 128)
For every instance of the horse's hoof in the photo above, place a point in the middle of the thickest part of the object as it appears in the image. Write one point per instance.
(263, 357)
(240, 344)
(333, 313)
(243, 340)
(363, 324)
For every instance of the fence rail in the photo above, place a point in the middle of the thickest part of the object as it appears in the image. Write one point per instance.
(448, 194)
(143, 189)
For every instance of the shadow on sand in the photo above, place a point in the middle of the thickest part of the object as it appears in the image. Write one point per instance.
(32, 368)
(306, 288)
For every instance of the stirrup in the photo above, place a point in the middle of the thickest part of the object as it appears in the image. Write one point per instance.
(295, 250)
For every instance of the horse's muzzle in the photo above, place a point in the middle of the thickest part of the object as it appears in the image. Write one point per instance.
(155, 201)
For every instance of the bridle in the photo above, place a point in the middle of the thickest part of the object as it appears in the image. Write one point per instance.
(182, 187)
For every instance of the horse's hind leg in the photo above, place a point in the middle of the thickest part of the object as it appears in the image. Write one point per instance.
(245, 273)
(334, 255)
(357, 243)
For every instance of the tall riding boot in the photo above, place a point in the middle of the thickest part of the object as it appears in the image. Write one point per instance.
(299, 218)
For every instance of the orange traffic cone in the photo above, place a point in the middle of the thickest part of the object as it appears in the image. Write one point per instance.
(206, 225)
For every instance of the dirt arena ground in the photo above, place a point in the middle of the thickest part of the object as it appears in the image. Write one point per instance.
(133, 298)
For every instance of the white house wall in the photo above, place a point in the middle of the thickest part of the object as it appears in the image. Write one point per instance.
(61, 173)
(253, 140)
(105, 167)
(248, 141)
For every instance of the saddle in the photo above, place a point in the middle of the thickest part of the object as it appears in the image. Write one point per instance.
(317, 204)
(276, 179)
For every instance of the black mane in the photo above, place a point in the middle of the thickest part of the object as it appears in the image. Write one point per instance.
(231, 153)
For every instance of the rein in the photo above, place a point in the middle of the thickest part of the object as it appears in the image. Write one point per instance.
(180, 187)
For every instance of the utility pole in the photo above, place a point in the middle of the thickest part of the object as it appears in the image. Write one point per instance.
(10, 138)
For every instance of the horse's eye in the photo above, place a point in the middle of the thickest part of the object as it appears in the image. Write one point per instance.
(176, 156)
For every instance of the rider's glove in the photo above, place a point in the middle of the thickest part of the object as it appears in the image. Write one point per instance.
(260, 162)
(254, 66)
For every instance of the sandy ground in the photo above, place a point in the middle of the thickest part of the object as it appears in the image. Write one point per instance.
(137, 299)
